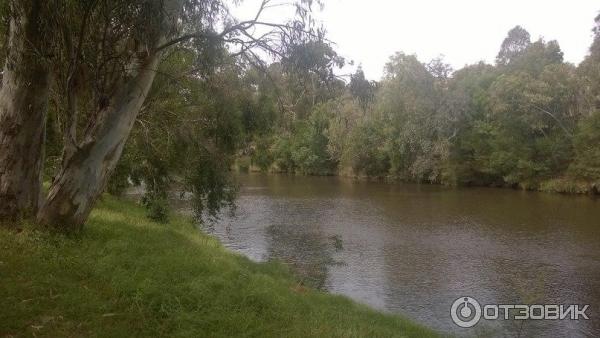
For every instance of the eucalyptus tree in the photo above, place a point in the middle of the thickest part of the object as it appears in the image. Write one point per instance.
(104, 61)
(299, 84)
(586, 164)
(407, 99)
(362, 89)
(305, 78)
(468, 90)
(589, 71)
(514, 44)
(186, 136)
(23, 103)
(309, 72)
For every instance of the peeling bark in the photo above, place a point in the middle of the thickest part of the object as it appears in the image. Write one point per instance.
(84, 175)
(87, 167)
(23, 107)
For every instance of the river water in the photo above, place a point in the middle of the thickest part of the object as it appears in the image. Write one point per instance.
(414, 249)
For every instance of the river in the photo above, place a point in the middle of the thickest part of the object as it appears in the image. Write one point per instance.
(413, 249)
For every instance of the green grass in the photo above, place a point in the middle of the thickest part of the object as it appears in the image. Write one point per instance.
(126, 276)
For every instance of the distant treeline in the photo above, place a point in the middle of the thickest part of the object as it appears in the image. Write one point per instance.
(530, 121)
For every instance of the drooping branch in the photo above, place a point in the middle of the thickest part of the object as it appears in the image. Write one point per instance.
(232, 33)
(560, 124)
(198, 35)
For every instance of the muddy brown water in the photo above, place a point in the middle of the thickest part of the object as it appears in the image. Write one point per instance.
(413, 249)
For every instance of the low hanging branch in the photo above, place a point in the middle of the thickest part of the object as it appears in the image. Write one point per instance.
(122, 43)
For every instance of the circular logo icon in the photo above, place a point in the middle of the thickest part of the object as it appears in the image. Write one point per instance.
(466, 312)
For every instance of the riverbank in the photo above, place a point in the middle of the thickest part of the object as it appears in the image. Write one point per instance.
(562, 185)
(127, 276)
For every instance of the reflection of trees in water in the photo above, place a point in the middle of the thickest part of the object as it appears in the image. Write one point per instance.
(309, 254)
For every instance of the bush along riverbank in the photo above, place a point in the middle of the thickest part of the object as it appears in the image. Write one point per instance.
(125, 275)
(569, 185)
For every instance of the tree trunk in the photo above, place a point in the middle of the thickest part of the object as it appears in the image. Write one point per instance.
(23, 106)
(84, 175)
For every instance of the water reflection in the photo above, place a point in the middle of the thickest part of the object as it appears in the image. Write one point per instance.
(414, 249)
(308, 253)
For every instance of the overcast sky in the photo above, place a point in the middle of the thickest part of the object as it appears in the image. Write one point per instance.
(463, 31)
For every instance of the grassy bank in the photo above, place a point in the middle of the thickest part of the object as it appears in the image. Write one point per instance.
(126, 276)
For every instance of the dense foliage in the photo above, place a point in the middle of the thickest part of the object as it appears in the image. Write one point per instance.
(185, 138)
(529, 121)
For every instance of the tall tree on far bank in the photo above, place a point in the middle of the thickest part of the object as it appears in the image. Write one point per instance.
(362, 89)
(589, 70)
(586, 164)
(514, 44)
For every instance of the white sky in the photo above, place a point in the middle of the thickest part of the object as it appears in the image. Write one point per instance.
(463, 31)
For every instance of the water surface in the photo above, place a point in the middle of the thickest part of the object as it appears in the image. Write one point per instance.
(414, 249)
